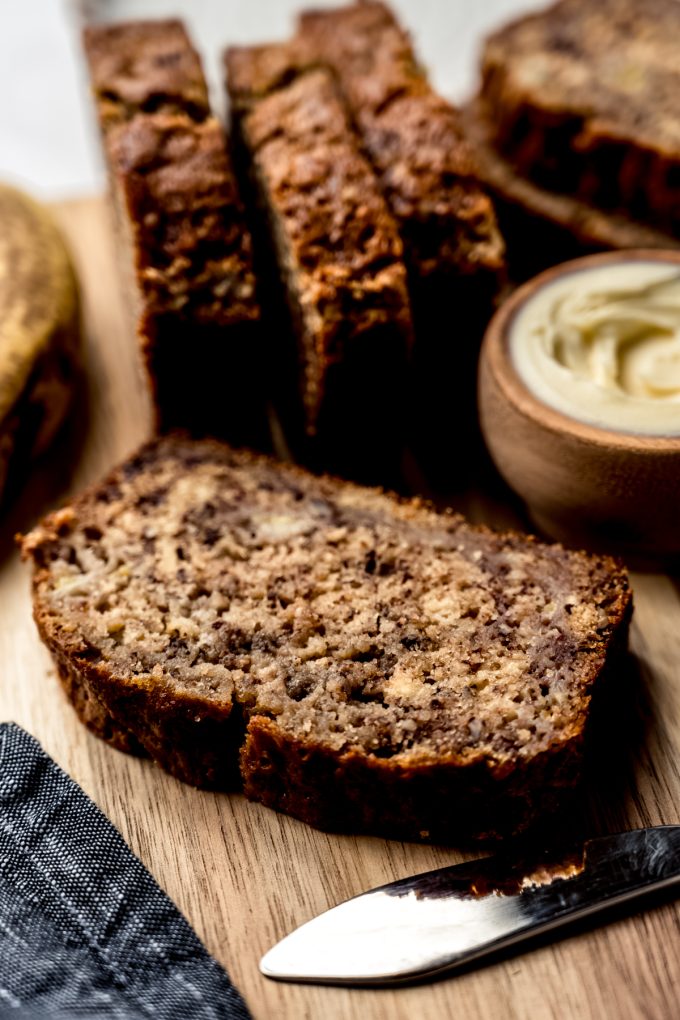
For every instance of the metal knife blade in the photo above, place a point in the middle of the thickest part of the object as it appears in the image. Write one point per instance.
(439, 920)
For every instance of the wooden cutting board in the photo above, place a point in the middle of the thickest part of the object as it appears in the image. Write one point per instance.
(245, 876)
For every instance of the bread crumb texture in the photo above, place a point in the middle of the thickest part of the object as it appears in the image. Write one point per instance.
(357, 626)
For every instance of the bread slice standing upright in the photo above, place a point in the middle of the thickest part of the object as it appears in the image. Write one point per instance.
(335, 252)
(182, 230)
(414, 140)
(428, 172)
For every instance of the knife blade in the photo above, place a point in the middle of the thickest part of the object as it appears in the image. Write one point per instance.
(439, 920)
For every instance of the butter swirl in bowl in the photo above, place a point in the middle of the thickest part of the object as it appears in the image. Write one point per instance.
(580, 400)
(603, 345)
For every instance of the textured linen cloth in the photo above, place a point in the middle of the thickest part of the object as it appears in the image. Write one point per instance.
(85, 931)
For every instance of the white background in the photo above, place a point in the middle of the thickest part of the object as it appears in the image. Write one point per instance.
(47, 139)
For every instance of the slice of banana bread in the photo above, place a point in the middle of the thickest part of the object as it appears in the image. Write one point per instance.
(428, 171)
(415, 141)
(337, 253)
(378, 666)
(185, 244)
(576, 130)
(583, 98)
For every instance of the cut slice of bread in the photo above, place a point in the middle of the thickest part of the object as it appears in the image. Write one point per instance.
(583, 98)
(362, 662)
(414, 139)
(453, 248)
(335, 252)
(185, 248)
(576, 131)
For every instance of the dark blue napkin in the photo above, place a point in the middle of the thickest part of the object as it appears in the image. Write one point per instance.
(85, 931)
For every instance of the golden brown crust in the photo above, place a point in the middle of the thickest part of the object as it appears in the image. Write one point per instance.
(345, 714)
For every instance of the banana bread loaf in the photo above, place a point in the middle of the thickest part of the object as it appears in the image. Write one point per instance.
(576, 121)
(336, 250)
(185, 240)
(377, 666)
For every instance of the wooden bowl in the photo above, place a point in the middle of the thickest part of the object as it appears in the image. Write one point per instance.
(583, 485)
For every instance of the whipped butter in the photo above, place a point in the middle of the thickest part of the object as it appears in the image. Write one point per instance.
(602, 345)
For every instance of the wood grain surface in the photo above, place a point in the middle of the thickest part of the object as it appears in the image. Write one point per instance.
(243, 875)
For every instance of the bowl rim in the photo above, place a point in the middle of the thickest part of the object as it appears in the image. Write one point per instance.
(496, 356)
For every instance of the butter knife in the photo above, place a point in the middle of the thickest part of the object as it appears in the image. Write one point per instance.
(440, 920)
